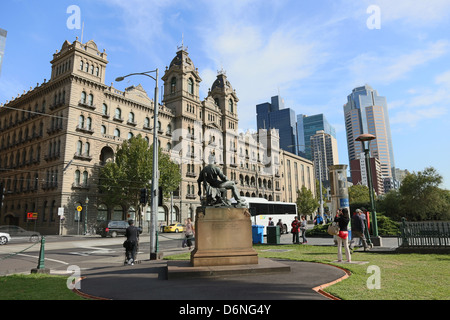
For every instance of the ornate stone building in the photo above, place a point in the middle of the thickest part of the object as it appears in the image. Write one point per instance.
(55, 137)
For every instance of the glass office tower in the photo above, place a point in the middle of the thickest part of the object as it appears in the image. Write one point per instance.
(2, 46)
(275, 115)
(367, 112)
(307, 126)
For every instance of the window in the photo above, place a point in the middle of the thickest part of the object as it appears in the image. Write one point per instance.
(79, 147)
(85, 178)
(81, 122)
(87, 67)
(117, 133)
(130, 135)
(97, 71)
(89, 123)
(146, 122)
(81, 65)
(103, 129)
(77, 178)
(131, 117)
(104, 110)
(173, 85)
(169, 129)
(91, 100)
(118, 114)
(87, 147)
(190, 86)
(230, 105)
(83, 97)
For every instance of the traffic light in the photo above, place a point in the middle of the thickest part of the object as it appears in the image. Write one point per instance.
(2, 194)
(144, 196)
(160, 196)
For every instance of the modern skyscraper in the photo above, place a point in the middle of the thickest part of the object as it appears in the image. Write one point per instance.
(2, 46)
(324, 153)
(367, 112)
(307, 126)
(275, 115)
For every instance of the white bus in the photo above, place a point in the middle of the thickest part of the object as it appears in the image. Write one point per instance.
(261, 210)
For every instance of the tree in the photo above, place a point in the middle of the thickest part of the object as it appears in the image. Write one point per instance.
(306, 203)
(358, 193)
(421, 198)
(121, 181)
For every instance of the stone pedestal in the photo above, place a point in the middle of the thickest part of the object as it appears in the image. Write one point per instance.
(223, 236)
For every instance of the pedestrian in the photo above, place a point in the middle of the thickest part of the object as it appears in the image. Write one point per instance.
(295, 229)
(280, 224)
(189, 233)
(342, 218)
(271, 222)
(303, 229)
(132, 242)
(358, 228)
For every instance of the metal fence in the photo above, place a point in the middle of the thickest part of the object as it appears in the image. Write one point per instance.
(424, 234)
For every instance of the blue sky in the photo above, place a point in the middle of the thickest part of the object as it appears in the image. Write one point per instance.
(312, 53)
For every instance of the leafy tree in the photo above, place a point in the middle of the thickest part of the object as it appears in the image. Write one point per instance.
(306, 203)
(121, 181)
(358, 193)
(418, 198)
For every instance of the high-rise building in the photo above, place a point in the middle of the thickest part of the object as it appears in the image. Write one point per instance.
(307, 126)
(274, 115)
(2, 46)
(324, 153)
(367, 112)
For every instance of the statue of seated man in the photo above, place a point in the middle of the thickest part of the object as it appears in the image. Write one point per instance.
(216, 185)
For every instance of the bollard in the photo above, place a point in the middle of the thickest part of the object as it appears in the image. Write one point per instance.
(41, 263)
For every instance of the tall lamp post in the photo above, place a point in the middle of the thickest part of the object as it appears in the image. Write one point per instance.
(155, 174)
(367, 137)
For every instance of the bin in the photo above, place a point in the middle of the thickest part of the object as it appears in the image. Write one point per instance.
(257, 233)
(273, 235)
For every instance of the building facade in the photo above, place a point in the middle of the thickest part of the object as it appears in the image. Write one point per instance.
(275, 115)
(55, 138)
(367, 112)
(324, 153)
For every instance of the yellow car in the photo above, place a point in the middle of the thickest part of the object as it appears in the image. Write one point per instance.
(175, 227)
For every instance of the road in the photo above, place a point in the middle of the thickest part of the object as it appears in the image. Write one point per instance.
(84, 252)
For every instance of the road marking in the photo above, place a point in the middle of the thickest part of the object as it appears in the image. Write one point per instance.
(37, 257)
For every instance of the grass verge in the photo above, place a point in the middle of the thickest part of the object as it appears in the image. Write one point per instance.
(402, 276)
(35, 287)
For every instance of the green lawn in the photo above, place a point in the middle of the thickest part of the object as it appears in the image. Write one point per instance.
(403, 276)
(35, 287)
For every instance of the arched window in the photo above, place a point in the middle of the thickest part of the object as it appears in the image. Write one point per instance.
(131, 117)
(130, 135)
(87, 67)
(230, 106)
(91, 100)
(85, 178)
(169, 129)
(87, 148)
(97, 71)
(117, 133)
(81, 122)
(77, 178)
(190, 86)
(146, 122)
(103, 129)
(81, 65)
(79, 147)
(83, 97)
(89, 123)
(104, 109)
(92, 69)
(118, 114)
(173, 85)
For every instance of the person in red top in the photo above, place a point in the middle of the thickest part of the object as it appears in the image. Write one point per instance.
(295, 230)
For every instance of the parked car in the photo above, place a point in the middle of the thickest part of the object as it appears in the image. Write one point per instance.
(113, 228)
(17, 232)
(4, 238)
(175, 227)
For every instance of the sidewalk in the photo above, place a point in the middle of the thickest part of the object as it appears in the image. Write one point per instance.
(148, 280)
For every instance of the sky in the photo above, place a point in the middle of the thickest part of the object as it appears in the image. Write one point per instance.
(311, 53)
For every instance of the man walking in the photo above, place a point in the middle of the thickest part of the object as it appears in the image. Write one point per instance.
(358, 227)
(132, 234)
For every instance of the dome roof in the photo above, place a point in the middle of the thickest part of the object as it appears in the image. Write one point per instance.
(182, 58)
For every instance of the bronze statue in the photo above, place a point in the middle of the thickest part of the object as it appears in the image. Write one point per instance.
(216, 185)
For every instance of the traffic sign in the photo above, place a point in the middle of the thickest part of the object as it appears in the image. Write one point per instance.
(32, 215)
(79, 208)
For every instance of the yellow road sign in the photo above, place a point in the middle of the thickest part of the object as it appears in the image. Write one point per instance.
(79, 208)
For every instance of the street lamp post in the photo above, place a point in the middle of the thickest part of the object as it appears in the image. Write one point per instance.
(86, 215)
(367, 137)
(155, 173)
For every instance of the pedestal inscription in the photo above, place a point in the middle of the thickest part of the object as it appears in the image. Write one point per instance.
(223, 236)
